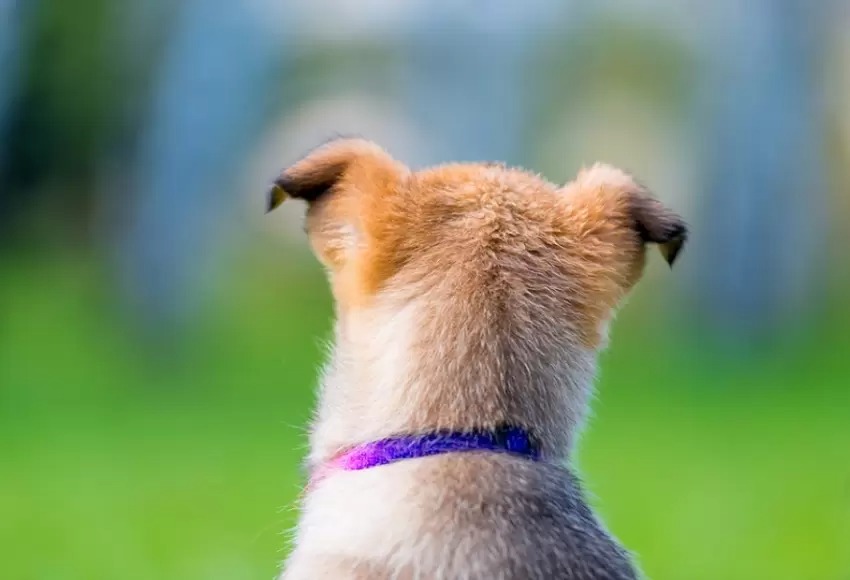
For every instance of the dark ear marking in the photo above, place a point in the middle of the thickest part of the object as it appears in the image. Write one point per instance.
(658, 225)
(309, 178)
(320, 170)
(306, 187)
(276, 196)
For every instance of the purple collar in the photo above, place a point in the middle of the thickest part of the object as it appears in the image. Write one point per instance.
(508, 439)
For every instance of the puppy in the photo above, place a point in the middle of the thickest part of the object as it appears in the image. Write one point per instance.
(471, 302)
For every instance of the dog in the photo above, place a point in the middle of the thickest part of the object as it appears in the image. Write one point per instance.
(471, 301)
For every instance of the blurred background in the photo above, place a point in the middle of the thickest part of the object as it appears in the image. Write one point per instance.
(160, 335)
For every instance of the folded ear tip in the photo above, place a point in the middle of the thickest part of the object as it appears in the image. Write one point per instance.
(276, 196)
(671, 259)
(670, 249)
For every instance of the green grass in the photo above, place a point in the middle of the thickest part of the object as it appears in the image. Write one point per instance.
(119, 465)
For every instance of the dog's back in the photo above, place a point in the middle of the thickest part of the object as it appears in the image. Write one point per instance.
(456, 516)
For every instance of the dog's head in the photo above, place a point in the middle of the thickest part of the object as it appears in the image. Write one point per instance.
(500, 236)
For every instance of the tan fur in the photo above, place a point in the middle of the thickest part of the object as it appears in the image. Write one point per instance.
(467, 296)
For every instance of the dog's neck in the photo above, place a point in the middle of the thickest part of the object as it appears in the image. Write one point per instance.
(432, 362)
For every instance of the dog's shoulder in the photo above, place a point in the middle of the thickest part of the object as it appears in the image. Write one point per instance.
(500, 499)
(493, 515)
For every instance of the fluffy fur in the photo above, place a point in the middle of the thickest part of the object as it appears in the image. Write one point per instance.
(467, 296)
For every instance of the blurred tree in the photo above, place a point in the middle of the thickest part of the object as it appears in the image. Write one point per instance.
(11, 26)
(760, 235)
(14, 23)
(210, 98)
(58, 111)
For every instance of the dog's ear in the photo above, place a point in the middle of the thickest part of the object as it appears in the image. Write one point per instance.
(325, 167)
(340, 181)
(611, 218)
(610, 203)
(656, 224)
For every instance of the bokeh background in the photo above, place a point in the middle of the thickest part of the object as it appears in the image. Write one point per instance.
(160, 335)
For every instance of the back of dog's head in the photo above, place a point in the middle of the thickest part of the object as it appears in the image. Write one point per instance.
(513, 278)
(500, 237)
